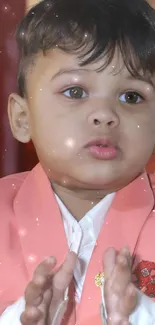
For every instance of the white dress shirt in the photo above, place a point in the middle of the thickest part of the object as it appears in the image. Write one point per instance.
(81, 237)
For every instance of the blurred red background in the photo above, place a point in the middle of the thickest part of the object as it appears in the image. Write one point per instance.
(15, 157)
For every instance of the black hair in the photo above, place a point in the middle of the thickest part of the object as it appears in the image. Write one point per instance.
(91, 28)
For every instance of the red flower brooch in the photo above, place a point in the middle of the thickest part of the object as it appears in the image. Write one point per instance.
(144, 278)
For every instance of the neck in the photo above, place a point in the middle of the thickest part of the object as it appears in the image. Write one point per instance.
(78, 202)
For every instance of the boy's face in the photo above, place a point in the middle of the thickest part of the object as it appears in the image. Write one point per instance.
(68, 106)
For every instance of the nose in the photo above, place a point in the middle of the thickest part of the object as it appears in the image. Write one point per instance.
(103, 116)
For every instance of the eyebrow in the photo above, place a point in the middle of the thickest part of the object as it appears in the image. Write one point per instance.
(69, 71)
(143, 79)
(81, 70)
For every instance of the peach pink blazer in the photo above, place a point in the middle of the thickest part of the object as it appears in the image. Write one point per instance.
(31, 229)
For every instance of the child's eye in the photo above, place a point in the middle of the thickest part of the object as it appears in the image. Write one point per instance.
(131, 97)
(75, 93)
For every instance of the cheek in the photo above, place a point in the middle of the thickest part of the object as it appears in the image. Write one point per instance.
(140, 127)
(140, 139)
(145, 134)
(54, 139)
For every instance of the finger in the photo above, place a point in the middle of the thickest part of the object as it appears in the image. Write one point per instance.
(44, 307)
(121, 275)
(34, 291)
(31, 316)
(42, 277)
(63, 277)
(60, 283)
(109, 261)
(130, 300)
(58, 317)
(125, 251)
(117, 319)
(125, 322)
(46, 266)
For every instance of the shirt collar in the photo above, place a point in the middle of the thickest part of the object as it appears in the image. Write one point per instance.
(94, 218)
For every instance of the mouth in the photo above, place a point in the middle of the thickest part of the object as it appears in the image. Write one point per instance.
(103, 149)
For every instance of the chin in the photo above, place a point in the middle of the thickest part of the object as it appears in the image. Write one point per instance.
(98, 183)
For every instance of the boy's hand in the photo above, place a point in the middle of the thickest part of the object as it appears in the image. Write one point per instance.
(120, 294)
(45, 292)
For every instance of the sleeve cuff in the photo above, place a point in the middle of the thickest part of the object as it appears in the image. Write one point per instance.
(11, 316)
(144, 314)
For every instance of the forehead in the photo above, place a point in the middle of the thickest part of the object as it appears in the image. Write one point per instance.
(56, 60)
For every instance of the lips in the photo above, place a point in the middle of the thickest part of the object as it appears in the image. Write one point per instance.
(102, 149)
(104, 142)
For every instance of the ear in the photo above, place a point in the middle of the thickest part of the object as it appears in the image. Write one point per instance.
(19, 118)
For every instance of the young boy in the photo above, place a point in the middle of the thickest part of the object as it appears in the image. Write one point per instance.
(87, 101)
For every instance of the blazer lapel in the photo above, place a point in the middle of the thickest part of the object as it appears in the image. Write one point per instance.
(40, 225)
(39, 221)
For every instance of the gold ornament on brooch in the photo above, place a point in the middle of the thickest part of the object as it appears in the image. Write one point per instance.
(99, 279)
